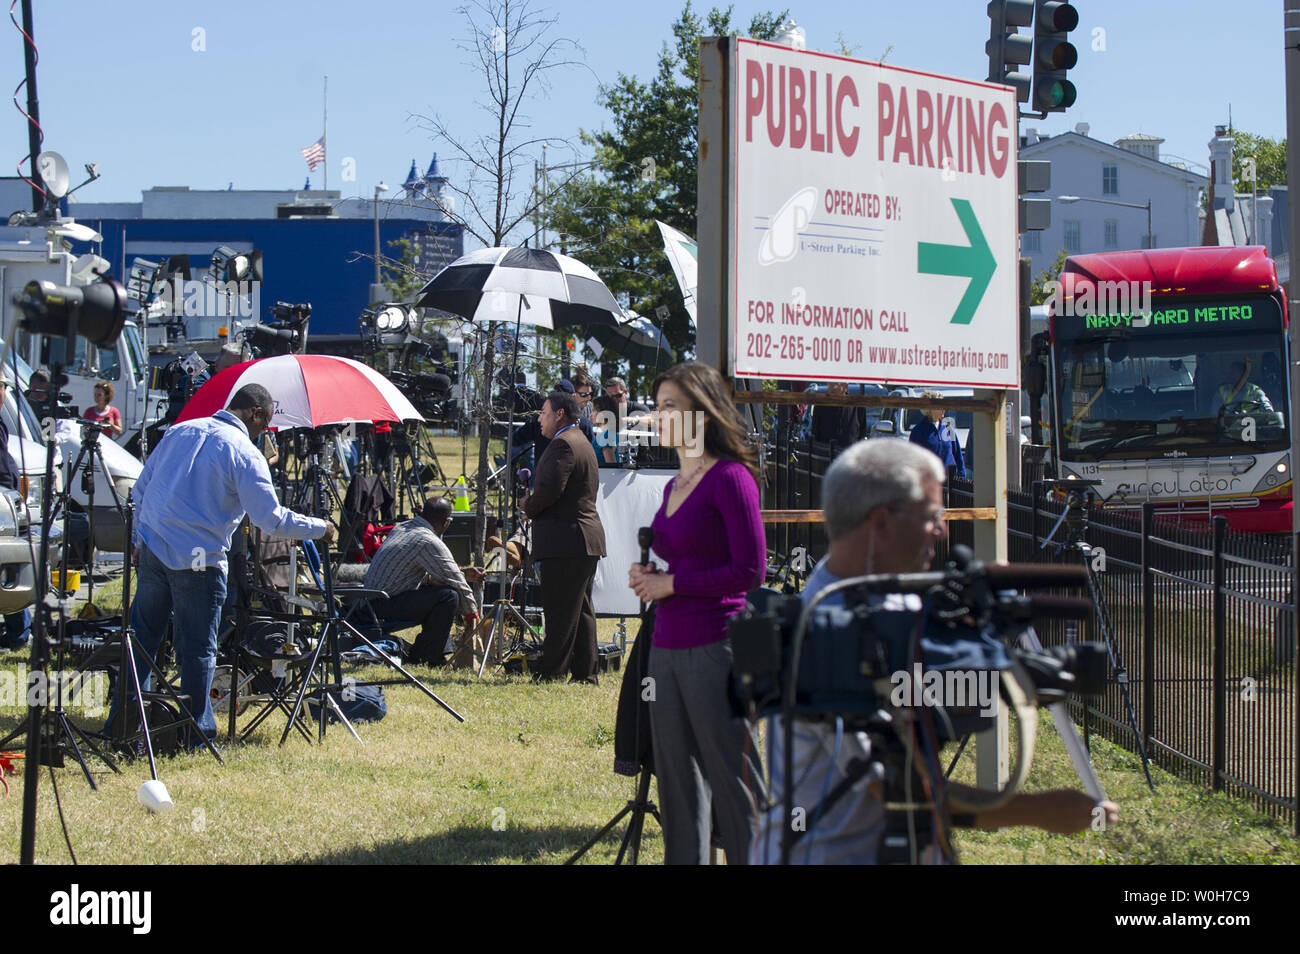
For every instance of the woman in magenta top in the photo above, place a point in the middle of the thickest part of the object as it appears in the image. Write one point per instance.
(103, 412)
(710, 532)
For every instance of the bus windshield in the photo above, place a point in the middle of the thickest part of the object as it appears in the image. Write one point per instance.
(1173, 382)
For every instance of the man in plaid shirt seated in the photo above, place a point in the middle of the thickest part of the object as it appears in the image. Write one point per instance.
(424, 584)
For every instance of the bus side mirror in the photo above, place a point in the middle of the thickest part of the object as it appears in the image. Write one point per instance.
(1034, 378)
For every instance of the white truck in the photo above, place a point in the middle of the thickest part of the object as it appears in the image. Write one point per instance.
(43, 253)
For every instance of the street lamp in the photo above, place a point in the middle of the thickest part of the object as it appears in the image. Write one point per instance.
(1067, 199)
(378, 189)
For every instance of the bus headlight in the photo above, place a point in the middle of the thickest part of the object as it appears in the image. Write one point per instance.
(1275, 476)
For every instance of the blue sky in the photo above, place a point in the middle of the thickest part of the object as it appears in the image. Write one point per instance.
(121, 84)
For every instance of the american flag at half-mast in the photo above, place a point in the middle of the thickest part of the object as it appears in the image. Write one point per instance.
(315, 154)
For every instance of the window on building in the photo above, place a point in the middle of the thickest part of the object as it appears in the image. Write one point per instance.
(1031, 241)
(1110, 180)
(1112, 233)
(1073, 236)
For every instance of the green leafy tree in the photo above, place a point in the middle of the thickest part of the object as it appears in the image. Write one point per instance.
(1269, 156)
(1039, 292)
(399, 272)
(512, 53)
(644, 169)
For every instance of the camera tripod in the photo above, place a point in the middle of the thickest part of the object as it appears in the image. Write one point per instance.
(326, 652)
(505, 614)
(89, 454)
(1079, 497)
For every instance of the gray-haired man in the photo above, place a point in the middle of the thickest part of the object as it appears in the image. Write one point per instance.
(884, 514)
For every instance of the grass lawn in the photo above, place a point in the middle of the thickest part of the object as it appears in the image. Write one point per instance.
(527, 778)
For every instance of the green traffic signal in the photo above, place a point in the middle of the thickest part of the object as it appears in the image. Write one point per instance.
(1053, 55)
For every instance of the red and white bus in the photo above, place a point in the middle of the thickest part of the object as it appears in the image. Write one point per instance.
(1167, 381)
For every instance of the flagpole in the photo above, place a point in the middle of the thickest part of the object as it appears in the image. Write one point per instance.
(324, 139)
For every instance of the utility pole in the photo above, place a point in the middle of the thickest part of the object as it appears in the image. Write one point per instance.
(1291, 44)
(33, 104)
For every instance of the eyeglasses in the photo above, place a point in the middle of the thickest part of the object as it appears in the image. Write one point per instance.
(584, 394)
(932, 518)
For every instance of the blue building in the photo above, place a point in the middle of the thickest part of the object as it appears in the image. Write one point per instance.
(317, 246)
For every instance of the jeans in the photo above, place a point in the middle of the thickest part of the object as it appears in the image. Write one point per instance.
(193, 598)
(18, 629)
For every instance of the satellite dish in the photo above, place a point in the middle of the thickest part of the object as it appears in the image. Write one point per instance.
(78, 232)
(54, 173)
(94, 264)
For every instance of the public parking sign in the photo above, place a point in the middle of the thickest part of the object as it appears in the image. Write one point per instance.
(873, 229)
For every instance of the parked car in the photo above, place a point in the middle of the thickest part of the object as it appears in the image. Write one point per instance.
(17, 572)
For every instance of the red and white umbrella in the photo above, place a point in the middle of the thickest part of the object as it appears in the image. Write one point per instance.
(309, 390)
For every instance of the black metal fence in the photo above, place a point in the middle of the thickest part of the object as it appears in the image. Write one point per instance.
(1202, 630)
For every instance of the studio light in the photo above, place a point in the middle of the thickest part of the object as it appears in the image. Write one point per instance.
(392, 318)
(231, 266)
(139, 281)
(96, 312)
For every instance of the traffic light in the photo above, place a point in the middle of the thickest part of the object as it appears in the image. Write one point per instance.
(1034, 175)
(1006, 48)
(1053, 55)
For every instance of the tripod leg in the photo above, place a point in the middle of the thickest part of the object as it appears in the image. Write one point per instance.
(487, 645)
(338, 713)
(64, 727)
(302, 690)
(391, 663)
(89, 743)
(1103, 617)
(595, 839)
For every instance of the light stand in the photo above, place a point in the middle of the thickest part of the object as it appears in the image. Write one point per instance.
(504, 611)
(640, 805)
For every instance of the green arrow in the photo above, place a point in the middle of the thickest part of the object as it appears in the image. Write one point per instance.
(974, 261)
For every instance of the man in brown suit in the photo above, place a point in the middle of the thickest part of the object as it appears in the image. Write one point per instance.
(568, 540)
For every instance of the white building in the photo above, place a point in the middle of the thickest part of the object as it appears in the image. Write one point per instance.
(1130, 172)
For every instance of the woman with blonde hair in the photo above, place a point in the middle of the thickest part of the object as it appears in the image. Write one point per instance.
(710, 531)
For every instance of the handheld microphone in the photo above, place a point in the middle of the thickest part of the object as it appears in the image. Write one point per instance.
(646, 537)
(524, 475)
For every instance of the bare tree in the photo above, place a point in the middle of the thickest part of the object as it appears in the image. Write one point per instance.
(495, 192)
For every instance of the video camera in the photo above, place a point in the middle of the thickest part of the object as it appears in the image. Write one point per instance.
(861, 660)
(180, 378)
(282, 333)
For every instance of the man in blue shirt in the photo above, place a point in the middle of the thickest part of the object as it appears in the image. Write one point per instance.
(193, 492)
(939, 437)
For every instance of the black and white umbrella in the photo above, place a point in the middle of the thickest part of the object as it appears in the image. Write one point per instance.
(525, 285)
(636, 338)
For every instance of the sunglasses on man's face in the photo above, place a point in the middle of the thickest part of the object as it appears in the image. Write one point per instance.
(584, 394)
